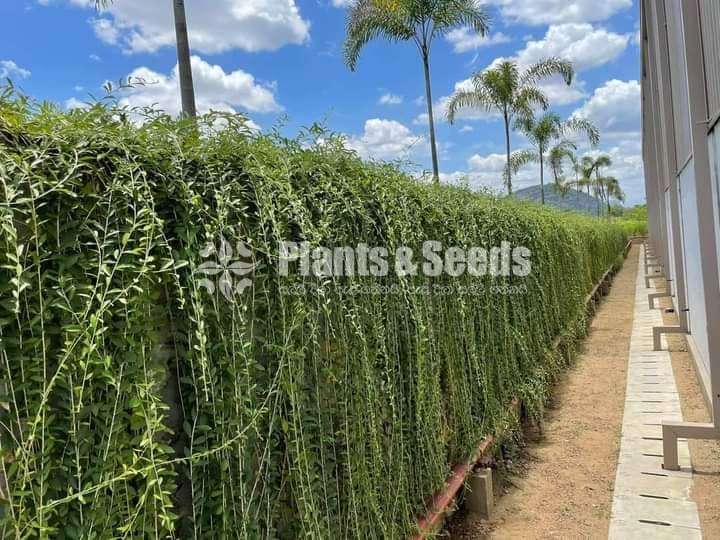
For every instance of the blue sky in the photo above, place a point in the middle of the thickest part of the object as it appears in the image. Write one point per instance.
(281, 61)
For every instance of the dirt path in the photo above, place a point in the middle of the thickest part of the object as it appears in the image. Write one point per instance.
(565, 489)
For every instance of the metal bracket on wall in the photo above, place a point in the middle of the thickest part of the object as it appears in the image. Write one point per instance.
(648, 277)
(672, 431)
(654, 296)
(658, 331)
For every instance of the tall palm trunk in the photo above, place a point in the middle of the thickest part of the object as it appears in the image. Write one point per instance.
(542, 176)
(431, 119)
(507, 149)
(601, 190)
(187, 90)
(607, 198)
(577, 188)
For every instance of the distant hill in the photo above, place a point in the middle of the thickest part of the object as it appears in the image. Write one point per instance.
(573, 201)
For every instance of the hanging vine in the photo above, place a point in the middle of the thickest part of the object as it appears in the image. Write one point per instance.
(138, 404)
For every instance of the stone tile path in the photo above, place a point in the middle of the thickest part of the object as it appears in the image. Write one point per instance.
(650, 502)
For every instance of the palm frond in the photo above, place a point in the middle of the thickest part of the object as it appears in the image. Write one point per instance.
(368, 20)
(528, 98)
(521, 158)
(584, 126)
(548, 68)
(558, 153)
(463, 99)
(612, 186)
(496, 85)
(525, 124)
(584, 181)
(449, 14)
(541, 131)
(603, 160)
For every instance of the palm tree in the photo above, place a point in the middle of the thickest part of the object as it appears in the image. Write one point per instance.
(580, 176)
(557, 155)
(611, 190)
(417, 20)
(511, 93)
(187, 88)
(542, 133)
(564, 150)
(594, 166)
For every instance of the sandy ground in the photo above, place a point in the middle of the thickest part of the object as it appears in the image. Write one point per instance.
(705, 454)
(564, 486)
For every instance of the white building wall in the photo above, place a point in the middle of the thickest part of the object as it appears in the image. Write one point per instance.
(714, 144)
(681, 110)
(697, 322)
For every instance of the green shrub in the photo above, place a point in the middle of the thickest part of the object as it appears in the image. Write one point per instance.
(138, 404)
(634, 228)
(635, 220)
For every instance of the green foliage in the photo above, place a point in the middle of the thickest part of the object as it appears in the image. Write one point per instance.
(402, 20)
(418, 20)
(638, 213)
(634, 221)
(634, 228)
(543, 133)
(515, 95)
(137, 404)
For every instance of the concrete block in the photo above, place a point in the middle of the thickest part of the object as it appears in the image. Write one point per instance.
(638, 530)
(649, 510)
(480, 500)
(663, 487)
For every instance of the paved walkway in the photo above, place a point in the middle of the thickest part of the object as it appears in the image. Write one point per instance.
(650, 502)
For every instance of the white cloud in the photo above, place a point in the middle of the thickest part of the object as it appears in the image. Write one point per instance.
(614, 108)
(440, 107)
(487, 172)
(489, 163)
(106, 31)
(8, 68)
(422, 119)
(215, 89)
(559, 93)
(251, 25)
(540, 12)
(74, 103)
(385, 139)
(466, 129)
(582, 44)
(390, 99)
(585, 46)
(95, 58)
(342, 3)
(464, 39)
